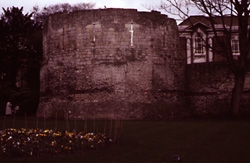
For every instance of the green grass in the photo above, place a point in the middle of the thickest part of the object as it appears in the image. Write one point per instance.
(196, 141)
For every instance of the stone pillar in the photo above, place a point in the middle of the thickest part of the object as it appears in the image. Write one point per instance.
(189, 57)
(210, 52)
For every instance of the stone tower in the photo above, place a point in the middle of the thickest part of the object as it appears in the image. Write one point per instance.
(111, 63)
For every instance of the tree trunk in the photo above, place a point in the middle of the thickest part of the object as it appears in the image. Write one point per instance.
(236, 94)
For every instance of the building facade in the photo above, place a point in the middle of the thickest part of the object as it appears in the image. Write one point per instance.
(111, 63)
(201, 44)
(210, 81)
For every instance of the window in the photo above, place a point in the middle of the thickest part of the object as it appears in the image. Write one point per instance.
(235, 46)
(198, 47)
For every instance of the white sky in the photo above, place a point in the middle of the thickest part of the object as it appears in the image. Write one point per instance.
(135, 4)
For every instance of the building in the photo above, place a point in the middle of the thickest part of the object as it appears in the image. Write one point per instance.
(198, 37)
(121, 63)
(111, 63)
(209, 79)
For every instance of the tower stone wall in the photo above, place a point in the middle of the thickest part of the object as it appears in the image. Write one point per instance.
(111, 63)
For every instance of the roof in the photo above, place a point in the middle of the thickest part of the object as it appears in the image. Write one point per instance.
(200, 19)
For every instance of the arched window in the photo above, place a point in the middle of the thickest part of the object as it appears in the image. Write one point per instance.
(199, 47)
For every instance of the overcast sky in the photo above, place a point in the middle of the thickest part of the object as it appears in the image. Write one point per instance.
(135, 4)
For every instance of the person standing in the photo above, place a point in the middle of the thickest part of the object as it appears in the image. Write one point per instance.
(8, 110)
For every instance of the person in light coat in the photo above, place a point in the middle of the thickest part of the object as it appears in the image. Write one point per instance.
(8, 110)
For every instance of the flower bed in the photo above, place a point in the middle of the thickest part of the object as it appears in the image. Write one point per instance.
(39, 142)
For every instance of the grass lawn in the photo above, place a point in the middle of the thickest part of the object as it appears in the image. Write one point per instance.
(195, 141)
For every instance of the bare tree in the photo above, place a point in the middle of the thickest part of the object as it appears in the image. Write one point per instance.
(41, 15)
(238, 12)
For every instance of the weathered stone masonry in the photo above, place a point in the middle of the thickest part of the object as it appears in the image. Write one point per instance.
(111, 63)
(208, 90)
